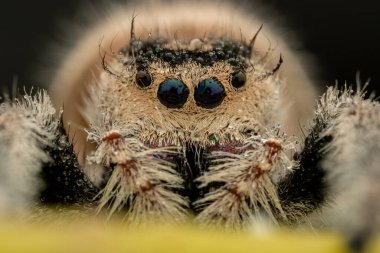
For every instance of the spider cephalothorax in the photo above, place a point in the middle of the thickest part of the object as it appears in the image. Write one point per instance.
(201, 111)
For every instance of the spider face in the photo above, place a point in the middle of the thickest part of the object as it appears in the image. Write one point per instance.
(213, 94)
(201, 100)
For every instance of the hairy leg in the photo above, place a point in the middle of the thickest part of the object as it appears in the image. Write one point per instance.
(338, 169)
(38, 164)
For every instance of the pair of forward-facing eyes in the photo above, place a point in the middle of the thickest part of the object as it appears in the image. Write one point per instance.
(173, 92)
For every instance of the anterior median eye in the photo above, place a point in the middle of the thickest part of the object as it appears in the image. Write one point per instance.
(209, 93)
(143, 78)
(238, 79)
(173, 93)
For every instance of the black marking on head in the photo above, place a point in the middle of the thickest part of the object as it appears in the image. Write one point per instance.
(145, 52)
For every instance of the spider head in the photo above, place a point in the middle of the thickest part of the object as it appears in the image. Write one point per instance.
(163, 110)
(207, 91)
(198, 97)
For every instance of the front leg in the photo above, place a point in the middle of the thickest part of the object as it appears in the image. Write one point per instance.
(338, 172)
(143, 181)
(26, 127)
(246, 178)
(37, 162)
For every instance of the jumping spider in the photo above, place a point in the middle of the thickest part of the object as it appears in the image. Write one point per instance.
(192, 119)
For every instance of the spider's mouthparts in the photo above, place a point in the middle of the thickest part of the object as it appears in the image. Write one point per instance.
(190, 166)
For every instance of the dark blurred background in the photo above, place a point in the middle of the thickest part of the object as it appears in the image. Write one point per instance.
(342, 35)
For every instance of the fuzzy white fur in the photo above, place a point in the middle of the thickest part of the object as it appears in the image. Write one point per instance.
(26, 127)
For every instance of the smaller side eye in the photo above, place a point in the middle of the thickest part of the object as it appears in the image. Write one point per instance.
(238, 79)
(143, 78)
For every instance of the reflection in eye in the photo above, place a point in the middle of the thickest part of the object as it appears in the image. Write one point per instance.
(173, 93)
(143, 79)
(209, 93)
(238, 79)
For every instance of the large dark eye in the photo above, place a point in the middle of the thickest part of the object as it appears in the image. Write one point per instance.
(173, 93)
(209, 93)
(143, 78)
(238, 79)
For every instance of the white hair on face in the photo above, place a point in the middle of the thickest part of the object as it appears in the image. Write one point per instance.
(26, 127)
